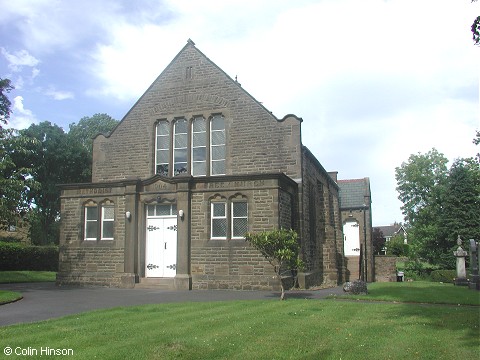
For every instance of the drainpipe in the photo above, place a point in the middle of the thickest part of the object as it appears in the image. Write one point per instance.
(365, 240)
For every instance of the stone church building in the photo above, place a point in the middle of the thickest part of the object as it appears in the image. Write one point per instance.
(195, 164)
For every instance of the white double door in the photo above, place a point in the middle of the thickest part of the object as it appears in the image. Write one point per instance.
(161, 247)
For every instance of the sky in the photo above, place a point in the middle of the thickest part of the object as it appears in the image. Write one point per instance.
(373, 80)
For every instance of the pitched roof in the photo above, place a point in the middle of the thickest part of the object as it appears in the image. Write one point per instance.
(354, 193)
(391, 230)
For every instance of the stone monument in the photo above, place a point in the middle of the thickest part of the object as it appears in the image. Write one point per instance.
(474, 282)
(460, 254)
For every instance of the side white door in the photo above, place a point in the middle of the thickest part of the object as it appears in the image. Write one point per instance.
(351, 231)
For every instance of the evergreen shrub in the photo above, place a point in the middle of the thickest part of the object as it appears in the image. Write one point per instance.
(17, 257)
(445, 276)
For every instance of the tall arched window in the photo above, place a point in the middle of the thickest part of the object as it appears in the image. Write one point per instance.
(199, 146)
(163, 147)
(217, 146)
(180, 145)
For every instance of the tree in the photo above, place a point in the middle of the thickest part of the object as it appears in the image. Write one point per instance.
(5, 104)
(476, 141)
(14, 179)
(460, 215)
(476, 29)
(280, 248)
(396, 246)
(418, 184)
(378, 241)
(439, 204)
(53, 159)
(84, 132)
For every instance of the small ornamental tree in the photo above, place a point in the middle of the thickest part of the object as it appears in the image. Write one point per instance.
(280, 248)
(396, 246)
(378, 241)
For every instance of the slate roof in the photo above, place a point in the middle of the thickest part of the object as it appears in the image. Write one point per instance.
(354, 193)
(391, 230)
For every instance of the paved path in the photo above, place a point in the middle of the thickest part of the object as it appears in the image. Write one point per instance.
(43, 301)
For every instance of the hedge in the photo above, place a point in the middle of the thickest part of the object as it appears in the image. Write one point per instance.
(17, 257)
(445, 276)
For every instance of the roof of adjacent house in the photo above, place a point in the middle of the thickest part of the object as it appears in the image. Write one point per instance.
(391, 230)
(354, 193)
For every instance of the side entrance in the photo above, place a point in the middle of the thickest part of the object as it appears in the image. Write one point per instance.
(351, 231)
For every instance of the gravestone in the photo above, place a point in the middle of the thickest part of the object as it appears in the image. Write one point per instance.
(474, 282)
(460, 254)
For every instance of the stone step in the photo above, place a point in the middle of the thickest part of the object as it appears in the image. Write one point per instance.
(352, 268)
(156, 283)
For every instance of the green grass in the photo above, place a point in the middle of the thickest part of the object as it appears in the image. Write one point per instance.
(268, 329)
(9, 296)
(26, 276)
(420, 292)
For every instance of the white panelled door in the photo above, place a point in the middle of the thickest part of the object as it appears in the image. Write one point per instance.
(351, 232)
(161, 247)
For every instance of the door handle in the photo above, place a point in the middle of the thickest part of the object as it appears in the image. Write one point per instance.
(165, 246)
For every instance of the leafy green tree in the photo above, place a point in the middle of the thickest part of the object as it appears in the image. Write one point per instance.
(396, 246)
(460, 213)
(378, 241)
(476, 141)
(5, 104)
(14, 178)
(418, 184)
(86, 129)
(280, 248)
(53, 160)
(439, 205)
(476, 29)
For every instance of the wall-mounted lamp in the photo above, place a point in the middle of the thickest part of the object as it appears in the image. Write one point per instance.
(128, 215)
(181, 214)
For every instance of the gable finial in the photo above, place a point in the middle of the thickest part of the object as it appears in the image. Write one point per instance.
(190, 41)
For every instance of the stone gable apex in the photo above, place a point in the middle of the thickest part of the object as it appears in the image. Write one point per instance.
(191, 70)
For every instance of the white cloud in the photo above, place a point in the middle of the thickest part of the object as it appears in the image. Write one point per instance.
(18, 59)
(58, 94)
(21, 117)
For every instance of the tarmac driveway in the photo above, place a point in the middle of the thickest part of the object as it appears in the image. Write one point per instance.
(43, 301)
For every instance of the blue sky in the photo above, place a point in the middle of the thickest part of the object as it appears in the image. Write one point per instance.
(373, 80)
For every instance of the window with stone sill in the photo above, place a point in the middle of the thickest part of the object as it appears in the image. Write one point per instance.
(219, 220)
(99, 221)
(91, 222)
(232, 224)
(108, 213)
(239, 219)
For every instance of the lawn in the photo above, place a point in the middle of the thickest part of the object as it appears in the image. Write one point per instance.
(420, 292)
(268, 329)
(9, 296)
(8, 277)
(26, 276)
